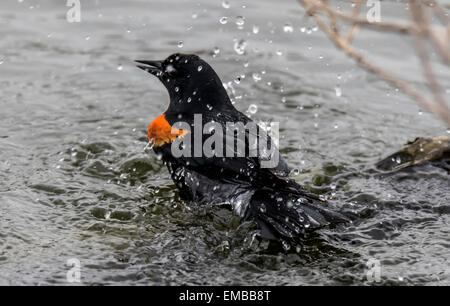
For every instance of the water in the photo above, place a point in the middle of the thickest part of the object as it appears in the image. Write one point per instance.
(75, 181)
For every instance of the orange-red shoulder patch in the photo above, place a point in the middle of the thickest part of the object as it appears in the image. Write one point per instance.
(160, 131)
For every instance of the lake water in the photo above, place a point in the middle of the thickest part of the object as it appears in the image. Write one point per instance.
(75, 181)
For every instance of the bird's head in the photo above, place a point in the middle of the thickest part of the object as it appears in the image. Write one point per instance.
(193, 86)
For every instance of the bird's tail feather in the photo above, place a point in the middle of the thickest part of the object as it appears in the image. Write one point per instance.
(282, 215)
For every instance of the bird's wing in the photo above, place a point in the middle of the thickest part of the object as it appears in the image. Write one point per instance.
(248, 169)
(257, 143)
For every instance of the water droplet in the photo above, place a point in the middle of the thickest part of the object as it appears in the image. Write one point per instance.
(240, 21)
(303, 29)
(226, 4)
(149, 145)
(279, 53)
(209, 107)
(252, 109)
(286, 245)
(256, 77)
(120, 67)
(180, 44)
(288, 28)
(398, 160)
(255, 29)
(283, 99)
(338, 90)
(216, 50)
(177, 89)
(189, 100)
(246, 64)
(87, 37)
(194, 15)
(237, 80)
(223, 20)
(199, 68)
(239, 46)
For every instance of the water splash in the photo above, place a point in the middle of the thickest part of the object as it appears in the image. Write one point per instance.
(223, 20)
(338, 90)
(252, 109)
(256, 77)
(240, 21)
(149, 145)
(239, 46)
(288, 28)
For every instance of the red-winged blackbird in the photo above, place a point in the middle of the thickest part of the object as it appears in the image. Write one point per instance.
(279, 206)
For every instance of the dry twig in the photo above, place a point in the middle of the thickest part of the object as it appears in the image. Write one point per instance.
(419, 27)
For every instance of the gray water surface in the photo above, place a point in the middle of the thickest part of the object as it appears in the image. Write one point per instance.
(75, 181)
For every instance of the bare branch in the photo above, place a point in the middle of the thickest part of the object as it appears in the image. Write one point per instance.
(419, 28)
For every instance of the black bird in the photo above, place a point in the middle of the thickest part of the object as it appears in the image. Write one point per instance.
(280, 207)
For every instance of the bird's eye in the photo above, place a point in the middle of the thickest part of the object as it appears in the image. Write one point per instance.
(170, 69)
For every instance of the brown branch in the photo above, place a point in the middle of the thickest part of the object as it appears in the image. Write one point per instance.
(420, 36)
(355, 28)
(314, 6)
(419, 29)
(441, 44)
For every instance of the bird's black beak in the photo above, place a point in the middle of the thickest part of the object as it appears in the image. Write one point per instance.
(153, 67)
